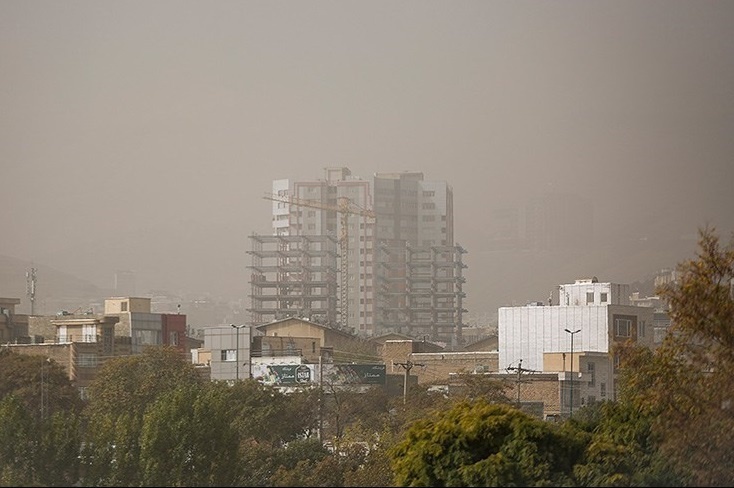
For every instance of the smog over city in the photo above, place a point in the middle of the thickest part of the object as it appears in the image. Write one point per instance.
(142, 135)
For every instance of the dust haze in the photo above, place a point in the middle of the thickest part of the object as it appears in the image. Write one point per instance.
(142, 135)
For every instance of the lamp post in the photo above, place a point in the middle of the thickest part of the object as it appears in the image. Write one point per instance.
(237, 350)
(572, 334)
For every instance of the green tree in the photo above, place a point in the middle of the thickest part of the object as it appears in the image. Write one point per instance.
(127, 385)
(187, 438)
(687, 384)
(119, 396)
(17, 443)
(40, 418)
(482, 444)
(621, 449)
(265, 415)
(32, 377)
(35, 451)
(269, 465)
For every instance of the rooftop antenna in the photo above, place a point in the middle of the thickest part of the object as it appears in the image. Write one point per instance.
(30, 277)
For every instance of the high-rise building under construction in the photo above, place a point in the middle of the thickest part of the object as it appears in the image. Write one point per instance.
(367, 256)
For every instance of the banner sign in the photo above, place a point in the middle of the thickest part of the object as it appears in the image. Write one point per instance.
(355, 374)
(284, 374)
(335, 374)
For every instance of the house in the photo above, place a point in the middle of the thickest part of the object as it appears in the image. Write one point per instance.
(292, 334)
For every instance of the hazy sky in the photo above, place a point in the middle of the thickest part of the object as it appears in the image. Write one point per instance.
(142, 134)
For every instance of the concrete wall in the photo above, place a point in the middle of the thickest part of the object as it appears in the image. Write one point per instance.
(438, 366)
(435, 367)
(225, 338)
(127, 304)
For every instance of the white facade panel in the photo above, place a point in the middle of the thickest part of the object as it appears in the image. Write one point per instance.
(591, 292)
(528, 332)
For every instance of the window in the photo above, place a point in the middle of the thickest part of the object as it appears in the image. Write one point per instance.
(591, 368)
(87, 360)
(89, 333)
(173, 338)
(641, 329)
(622, 327)
(603, 297)
(229, 355)
(428, 206)
(603, 389)
(589, 297)
(123, 306)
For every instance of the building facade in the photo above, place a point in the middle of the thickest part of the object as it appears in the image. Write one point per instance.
(396, 267)
(575, 338)
(229, 349)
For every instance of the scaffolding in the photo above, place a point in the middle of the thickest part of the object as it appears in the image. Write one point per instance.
(293, 276)
(420, 291)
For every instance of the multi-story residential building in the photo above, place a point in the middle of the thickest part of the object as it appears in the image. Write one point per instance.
(575, 338)
(396, 267)
(144, 327)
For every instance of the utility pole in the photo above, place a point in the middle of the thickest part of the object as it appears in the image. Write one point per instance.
(572, 334)
(43, 391)
(520, 370)
(408, 365)
(321, 394)
(237, 350)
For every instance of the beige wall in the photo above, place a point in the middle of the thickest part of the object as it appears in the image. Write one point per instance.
(294, 328)
(308, 347)
(133, 305)
(543, 388)
(436, 366)
(337, 340)
(68, 354)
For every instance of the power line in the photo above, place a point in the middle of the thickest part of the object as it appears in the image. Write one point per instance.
(407, 366)
(520, 370)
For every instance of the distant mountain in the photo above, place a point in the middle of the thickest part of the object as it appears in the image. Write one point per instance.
(55, 290)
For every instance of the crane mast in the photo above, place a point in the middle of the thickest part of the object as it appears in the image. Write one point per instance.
(344, 207)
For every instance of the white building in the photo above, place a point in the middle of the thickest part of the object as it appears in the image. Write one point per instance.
(593, 317)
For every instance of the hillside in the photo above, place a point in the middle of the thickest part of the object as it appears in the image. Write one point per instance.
(55, 290)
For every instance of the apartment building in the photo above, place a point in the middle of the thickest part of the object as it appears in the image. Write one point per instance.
(367, 256)
(135, 320)
(575, 337)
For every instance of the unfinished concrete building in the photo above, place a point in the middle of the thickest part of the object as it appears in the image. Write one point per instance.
(293, 276)
(420, 293)
(394, 268)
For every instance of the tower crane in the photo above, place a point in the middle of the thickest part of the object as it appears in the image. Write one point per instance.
(345, 207)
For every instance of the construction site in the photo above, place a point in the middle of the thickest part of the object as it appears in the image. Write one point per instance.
(362, 264)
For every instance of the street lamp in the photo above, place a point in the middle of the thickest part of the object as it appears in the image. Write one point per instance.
(237, 350)
(572, 334)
